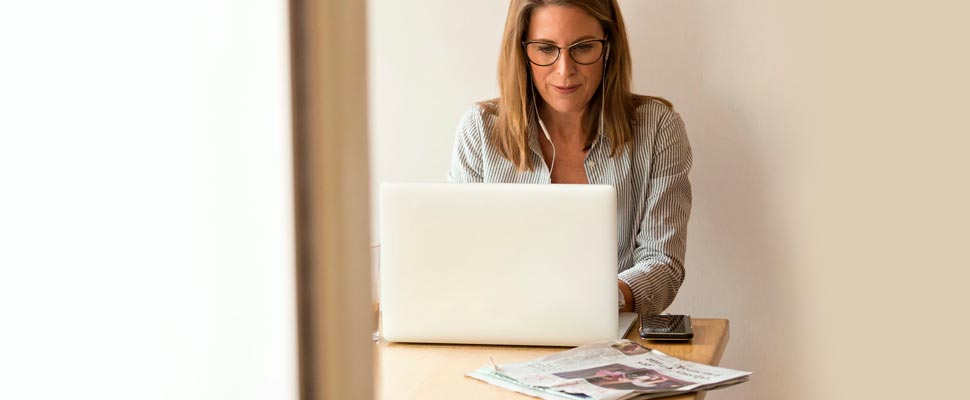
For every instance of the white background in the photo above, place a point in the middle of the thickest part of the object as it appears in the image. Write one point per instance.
(738, 72)
(146, 240)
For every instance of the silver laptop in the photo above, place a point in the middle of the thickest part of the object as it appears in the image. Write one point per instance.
(509, 264)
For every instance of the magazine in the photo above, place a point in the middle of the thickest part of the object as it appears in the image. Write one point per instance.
(614, 370)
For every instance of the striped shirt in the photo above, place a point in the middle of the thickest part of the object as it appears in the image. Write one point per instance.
(653, 192)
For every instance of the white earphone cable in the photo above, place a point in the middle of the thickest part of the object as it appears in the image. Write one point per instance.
(544, 130)
(603, 83)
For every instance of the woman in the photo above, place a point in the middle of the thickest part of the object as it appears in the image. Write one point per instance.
(566, 115)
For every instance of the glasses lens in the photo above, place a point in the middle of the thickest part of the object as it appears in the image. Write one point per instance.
(586, 52)
(542, 53)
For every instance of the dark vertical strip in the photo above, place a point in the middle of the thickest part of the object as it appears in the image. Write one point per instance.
(301, 196)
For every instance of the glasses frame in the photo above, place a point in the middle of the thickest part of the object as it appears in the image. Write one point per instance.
(604, 42)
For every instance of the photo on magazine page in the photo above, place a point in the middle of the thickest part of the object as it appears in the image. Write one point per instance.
(630, 348)
(622, 377)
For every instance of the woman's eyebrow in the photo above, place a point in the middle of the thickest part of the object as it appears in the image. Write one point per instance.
(580, 39)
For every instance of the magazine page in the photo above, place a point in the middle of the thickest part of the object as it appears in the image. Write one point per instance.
(618, 369)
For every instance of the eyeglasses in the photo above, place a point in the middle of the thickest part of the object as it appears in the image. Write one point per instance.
(545, 54)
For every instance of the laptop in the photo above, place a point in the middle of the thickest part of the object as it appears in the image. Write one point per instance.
(505, 264)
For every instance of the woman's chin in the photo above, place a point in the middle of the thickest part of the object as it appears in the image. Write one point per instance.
(567, 105)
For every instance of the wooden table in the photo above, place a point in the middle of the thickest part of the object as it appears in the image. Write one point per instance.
(437, 371)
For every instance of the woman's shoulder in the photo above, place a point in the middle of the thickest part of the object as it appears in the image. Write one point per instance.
(653, 110)
(477, 121)
(479, 117)
(480, 111)
(489, 106)
(658, 123)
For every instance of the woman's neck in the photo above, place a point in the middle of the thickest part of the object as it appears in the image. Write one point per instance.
(563, 127)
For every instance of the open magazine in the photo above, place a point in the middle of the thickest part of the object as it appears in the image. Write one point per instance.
(614, 370)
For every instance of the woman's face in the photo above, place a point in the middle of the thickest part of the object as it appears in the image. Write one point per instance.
(565, 85)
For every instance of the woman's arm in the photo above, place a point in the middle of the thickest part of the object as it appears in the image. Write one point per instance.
(658, 269)
(466, 158)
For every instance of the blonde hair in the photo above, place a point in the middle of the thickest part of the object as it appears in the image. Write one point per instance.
(514, 106)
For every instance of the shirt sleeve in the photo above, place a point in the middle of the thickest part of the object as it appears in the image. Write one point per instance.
(661, 240)
(466, 158)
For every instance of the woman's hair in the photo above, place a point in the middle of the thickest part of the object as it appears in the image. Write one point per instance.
(514, 106)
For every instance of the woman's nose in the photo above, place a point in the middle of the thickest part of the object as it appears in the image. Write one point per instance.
(565, 64)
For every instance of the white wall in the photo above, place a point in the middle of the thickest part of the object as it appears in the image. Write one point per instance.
(146, 234)
(429, 62)
(738, 73)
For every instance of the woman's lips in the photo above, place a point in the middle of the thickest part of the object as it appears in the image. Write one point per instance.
(565, 89)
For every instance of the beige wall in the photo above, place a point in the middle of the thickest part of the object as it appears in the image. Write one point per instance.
(825, 221)
(886, 214)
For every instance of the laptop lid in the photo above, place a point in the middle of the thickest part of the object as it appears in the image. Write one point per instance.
(511, 264)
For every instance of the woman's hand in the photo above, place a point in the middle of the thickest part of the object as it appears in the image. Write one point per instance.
(627, 296)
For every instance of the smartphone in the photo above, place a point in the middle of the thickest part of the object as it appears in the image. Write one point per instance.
(666, 327)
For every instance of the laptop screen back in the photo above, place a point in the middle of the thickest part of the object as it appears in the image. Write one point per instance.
(498, 263)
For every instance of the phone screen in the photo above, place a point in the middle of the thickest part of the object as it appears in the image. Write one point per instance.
(666, 327)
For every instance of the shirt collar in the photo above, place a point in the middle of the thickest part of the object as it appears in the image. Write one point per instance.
(534, 131)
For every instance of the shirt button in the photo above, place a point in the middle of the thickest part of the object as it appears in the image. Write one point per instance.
(592, 163)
